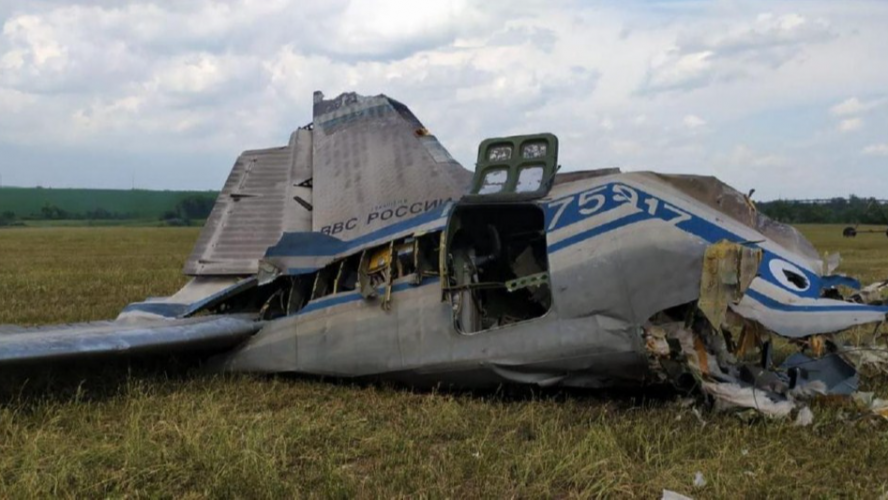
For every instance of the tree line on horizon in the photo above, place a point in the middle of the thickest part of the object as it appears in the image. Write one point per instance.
(851, 210)
(188, 209)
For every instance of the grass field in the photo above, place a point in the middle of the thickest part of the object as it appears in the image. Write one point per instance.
(164, 429)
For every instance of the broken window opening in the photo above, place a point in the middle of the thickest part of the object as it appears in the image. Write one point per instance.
(428, 250)
(337, 277)
(500, 152)
(497, 266)
(300, 292)
(534, 149)
(325, 281)
(789, 275)
(375, 271)
(347, 277)
(796, 279)
(405, 258)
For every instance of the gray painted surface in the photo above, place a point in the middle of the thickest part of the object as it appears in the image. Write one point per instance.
(605, 288)
(376, 165)
(370, 163)
(54, 343)
(256, 205)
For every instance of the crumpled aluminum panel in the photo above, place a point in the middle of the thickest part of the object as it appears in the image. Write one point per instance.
(256, 206)
(727, 200)
(376, 165)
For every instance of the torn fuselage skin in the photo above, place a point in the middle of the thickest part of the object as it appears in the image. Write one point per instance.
(633, 270)
(710, 344)
(642, 277)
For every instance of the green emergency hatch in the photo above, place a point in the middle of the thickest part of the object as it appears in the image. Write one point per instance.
(517, 167)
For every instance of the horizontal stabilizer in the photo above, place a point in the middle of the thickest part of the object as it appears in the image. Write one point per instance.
(53, 343)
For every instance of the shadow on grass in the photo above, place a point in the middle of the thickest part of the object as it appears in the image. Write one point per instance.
(101, 379)
(93, 380)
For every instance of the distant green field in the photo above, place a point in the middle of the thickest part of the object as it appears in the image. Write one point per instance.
(27, 203)
(104, 223)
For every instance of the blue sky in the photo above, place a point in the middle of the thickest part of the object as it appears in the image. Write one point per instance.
(787, 97)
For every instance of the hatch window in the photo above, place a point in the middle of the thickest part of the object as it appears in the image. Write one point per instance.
(500, 152)
(534, 150)
(529, 179)
(494, 181)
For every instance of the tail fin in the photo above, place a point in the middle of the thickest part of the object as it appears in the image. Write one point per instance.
(365, 164)
(267, 193)
(376, 165)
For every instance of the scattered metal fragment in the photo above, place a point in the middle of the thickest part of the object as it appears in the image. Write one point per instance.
(805, 417)
(699, 480)
(872, 294)
(729, 395)
(866, 401)
(728, 270)
(671, 495)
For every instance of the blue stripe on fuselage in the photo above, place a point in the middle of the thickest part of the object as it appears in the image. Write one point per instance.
(314, 244)
(650, 208)
(780, 306)
(568, 210)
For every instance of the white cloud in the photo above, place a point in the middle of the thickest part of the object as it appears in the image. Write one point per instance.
(854, 106)
(743, 155)
(876, 150)
(850, 125)
(105, 115)
(13, 101)
(624, 147)
(191, 75)
(693, 122)
(724, 53)
(155, 81)
(672, 69)
(384, 26)
(37, 39)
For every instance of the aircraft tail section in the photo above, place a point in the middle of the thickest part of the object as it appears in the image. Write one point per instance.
(267, 193)
(375, 165)
(364, 164)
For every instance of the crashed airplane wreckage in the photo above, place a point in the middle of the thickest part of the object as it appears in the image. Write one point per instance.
(362, 249)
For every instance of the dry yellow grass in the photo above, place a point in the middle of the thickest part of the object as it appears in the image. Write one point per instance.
(164, 429)
(63, 275)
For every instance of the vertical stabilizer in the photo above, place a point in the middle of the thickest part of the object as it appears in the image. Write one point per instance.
(376, 165)
(365, 164)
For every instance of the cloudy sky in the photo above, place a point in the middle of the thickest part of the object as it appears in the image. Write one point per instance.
(788, 97)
